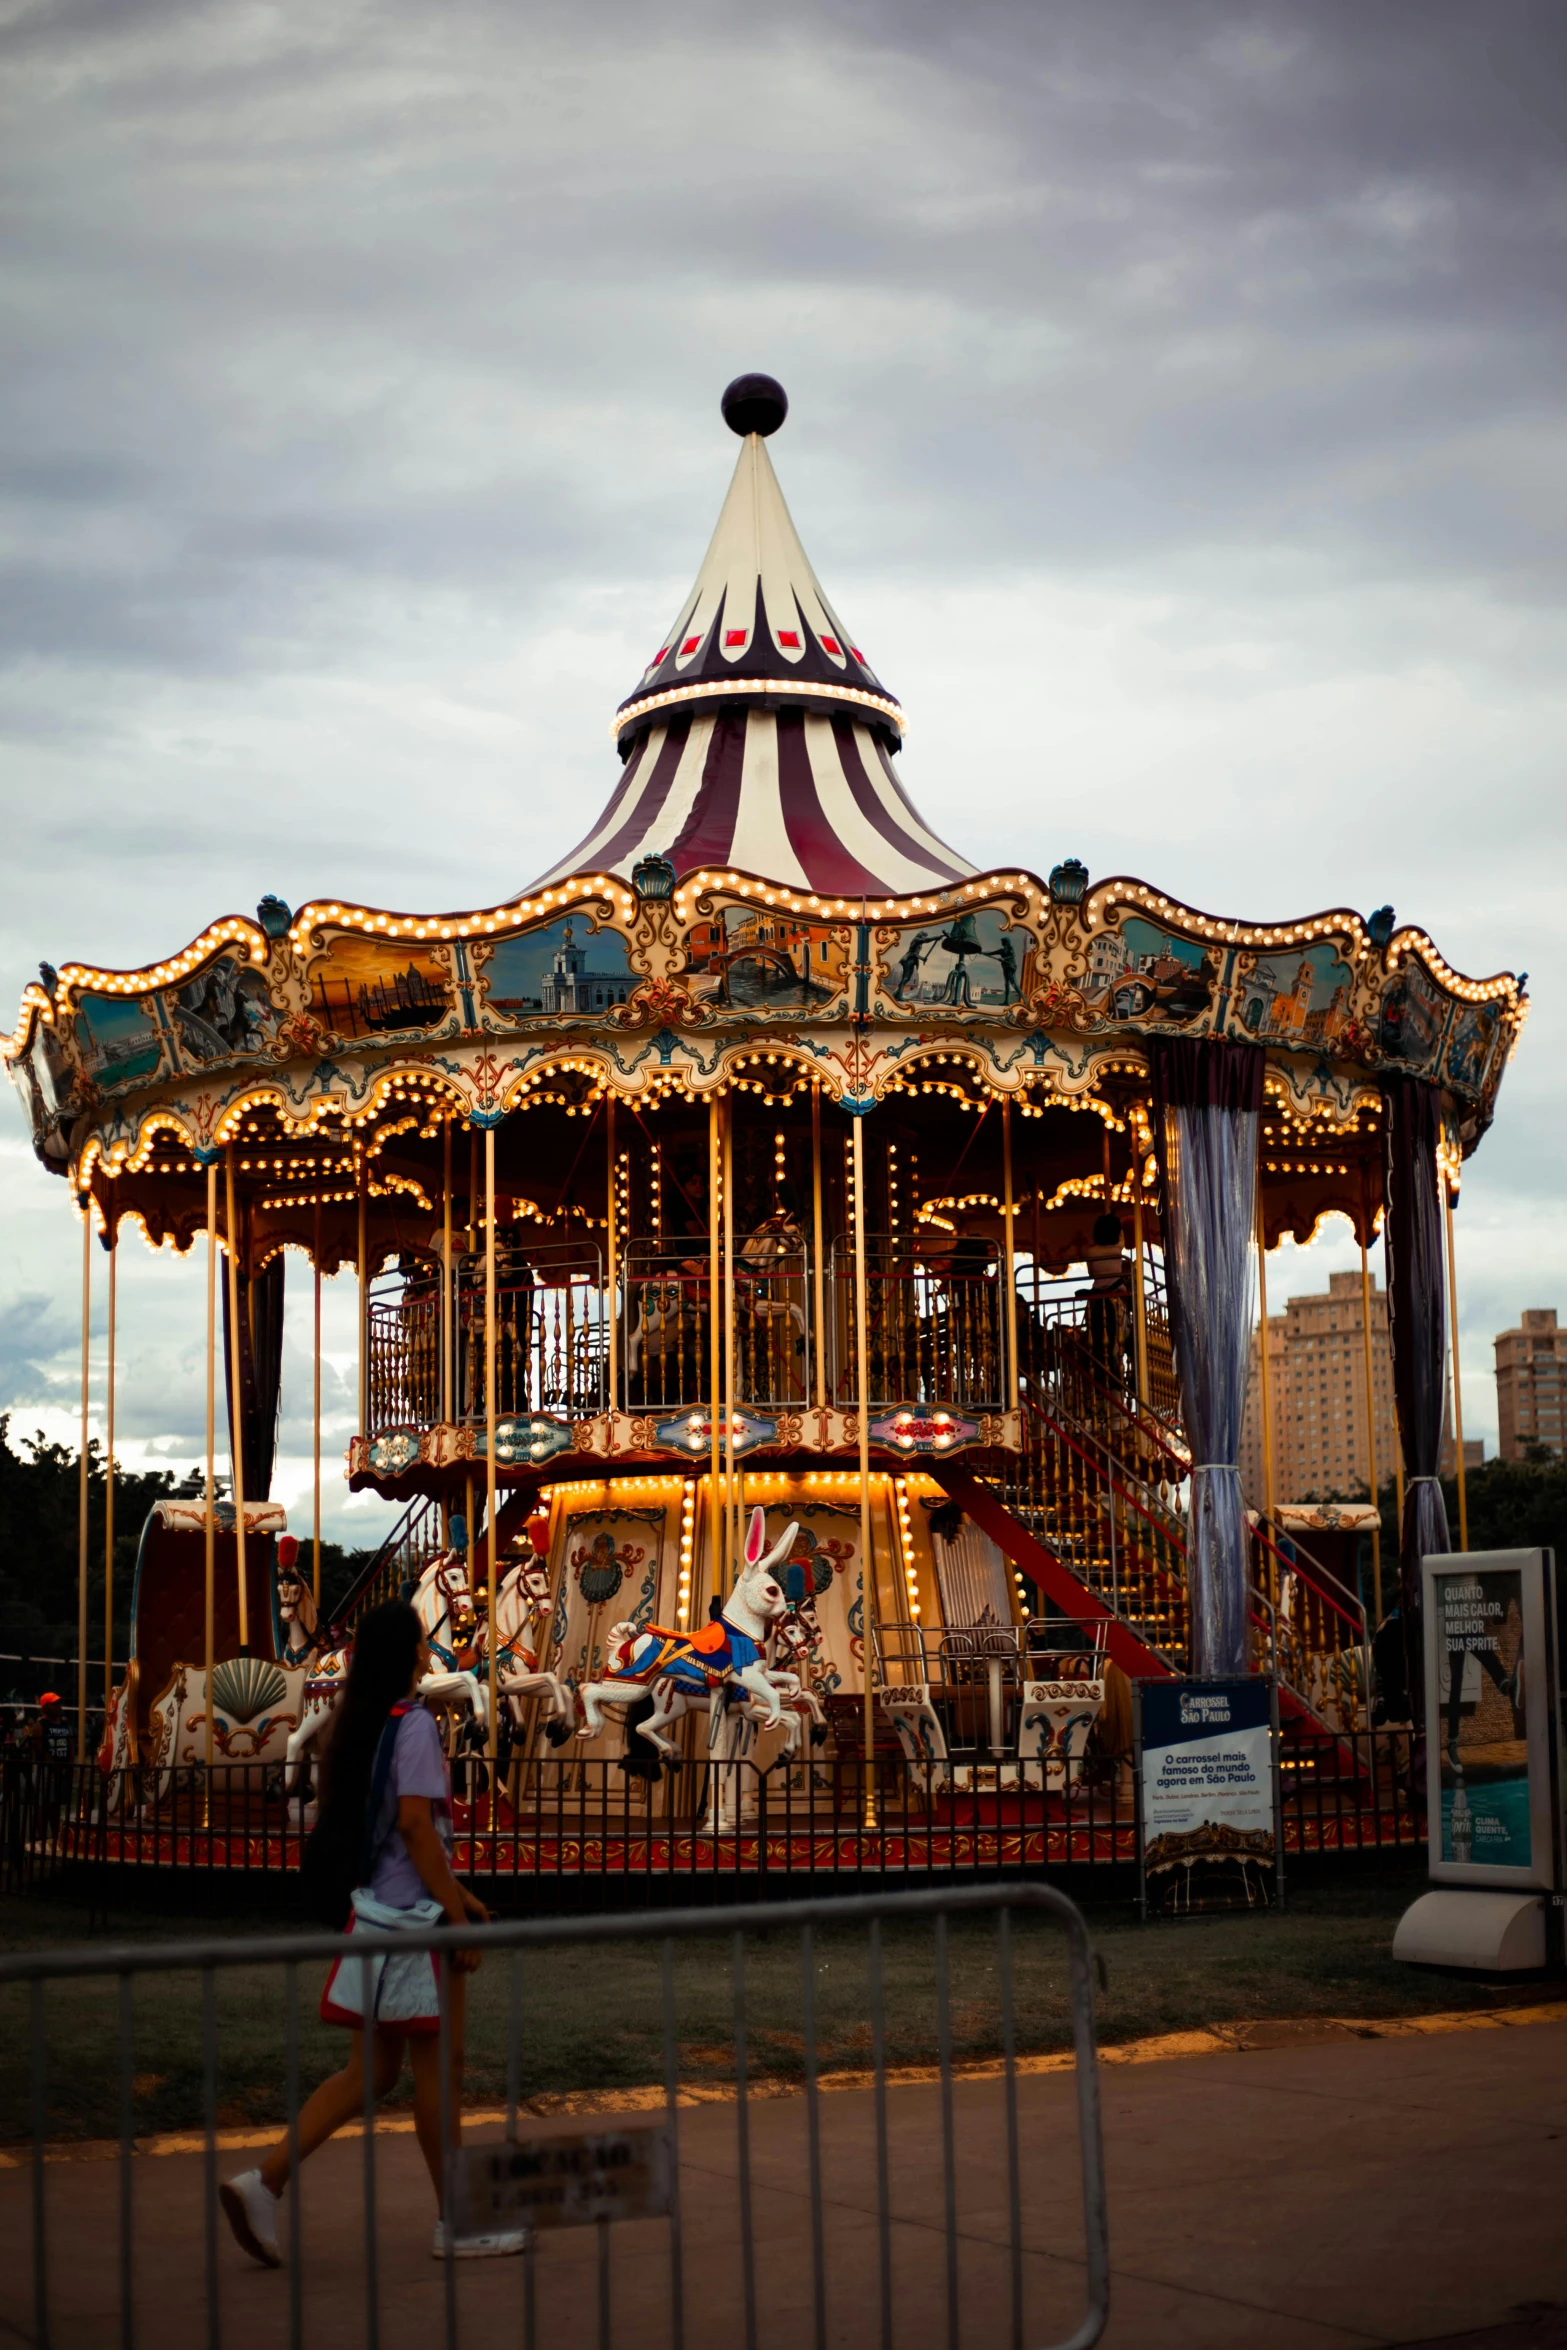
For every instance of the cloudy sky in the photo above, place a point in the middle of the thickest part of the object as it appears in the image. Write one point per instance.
(1177, 417)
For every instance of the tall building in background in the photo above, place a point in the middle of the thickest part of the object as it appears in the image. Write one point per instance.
(1317, 1378)
(1529, 1366)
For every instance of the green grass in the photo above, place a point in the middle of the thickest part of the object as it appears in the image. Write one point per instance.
(592, 2016)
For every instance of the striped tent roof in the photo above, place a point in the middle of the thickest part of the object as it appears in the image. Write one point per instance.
(759, 738)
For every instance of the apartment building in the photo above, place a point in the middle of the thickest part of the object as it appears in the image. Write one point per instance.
(1530, 1363)
(1317, 1380)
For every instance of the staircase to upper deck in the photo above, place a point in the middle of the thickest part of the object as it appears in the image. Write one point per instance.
(1092, 1511)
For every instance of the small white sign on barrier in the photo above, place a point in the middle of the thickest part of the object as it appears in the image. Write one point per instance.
(563, 2182)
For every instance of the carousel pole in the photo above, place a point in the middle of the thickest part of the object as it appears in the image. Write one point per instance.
(1398, 1433)
(1265, 1385)
(209, 1594)
(863, 1422)
(612, 1204)
(491, 1643)
(1011, 1254)
(1458, 1397)
(446, 1271)
(236, 1394)
(715, 1198)
(732, 1545)
(315, 1425)
(364, 1301)
(83, 1489)
(108, 1483)
(1371, 1418)
(820, 1268)
(1139, 1282)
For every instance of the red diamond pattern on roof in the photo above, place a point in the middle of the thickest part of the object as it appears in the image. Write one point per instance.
(789, 636)
(735, 636)
(830, 644)
(690, 645)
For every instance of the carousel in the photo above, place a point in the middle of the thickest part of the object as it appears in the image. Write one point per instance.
(806, 1285)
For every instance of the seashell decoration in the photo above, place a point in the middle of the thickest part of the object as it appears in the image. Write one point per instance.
(244, 1686)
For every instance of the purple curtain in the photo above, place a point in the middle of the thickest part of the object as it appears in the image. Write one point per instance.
(1412, 1128)
(1207, 1100)
(260, 1371)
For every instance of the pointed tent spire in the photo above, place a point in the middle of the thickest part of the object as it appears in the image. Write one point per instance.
(759, 737)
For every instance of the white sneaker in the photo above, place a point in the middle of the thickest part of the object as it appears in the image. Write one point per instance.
(251, 2209)
(494, 2245)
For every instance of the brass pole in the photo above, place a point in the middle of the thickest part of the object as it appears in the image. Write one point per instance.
(236, 1393)
(715, 1196)
(1139, 1292)
(1458, 1397)
(1398, 1430)
(863, 1421)
(446, 1271)
(83, 1489)
(1371, 1429)
(210, 1592)
(821, 1271)
(1265, 1386)
(108, 1483)
(733, 1546)
(614, 1254)
(364, 1305)
(492, 1637)
(315, 1426)
(1010, 1256)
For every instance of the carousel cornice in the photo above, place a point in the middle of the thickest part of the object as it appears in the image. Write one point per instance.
(307, 930)
(767, 690)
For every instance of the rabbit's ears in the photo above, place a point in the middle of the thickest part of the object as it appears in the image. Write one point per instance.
(756, 1536)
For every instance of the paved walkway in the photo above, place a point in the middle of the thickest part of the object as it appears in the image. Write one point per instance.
(1342, 2192)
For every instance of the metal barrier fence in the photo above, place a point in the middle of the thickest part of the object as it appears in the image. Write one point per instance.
(708, 2212)
(564, 1822)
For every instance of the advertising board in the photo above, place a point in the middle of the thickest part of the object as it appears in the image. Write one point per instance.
(1207, 1787)
(1492, 1718)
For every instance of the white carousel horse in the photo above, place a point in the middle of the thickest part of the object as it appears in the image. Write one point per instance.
(679, 1669)
(444, 1605)
(522, 1607)
(296, 1606)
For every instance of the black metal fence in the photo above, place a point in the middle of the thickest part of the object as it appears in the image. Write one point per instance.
(560, 1822)
(888, 2207)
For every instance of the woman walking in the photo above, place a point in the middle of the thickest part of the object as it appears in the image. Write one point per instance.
(386, 1799)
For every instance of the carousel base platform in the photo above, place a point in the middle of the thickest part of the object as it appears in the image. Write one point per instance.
(963, 1837)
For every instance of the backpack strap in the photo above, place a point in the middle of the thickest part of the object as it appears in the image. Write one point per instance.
(379, 1777)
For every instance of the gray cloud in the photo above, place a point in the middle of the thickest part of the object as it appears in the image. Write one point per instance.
(1177, 410)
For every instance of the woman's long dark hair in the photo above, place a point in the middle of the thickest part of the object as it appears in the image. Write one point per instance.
(386, 1649)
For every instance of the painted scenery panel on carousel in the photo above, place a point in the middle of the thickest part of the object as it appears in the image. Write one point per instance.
(827, 1547)
(120, 1041)
(610, 1567)
(1300, 996)
(1476, 1049)
(1149, 975)
(366, 987)
(976, 961)
(760, 959)
(565, 967)
(224, 1014)
(1411, 1019)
